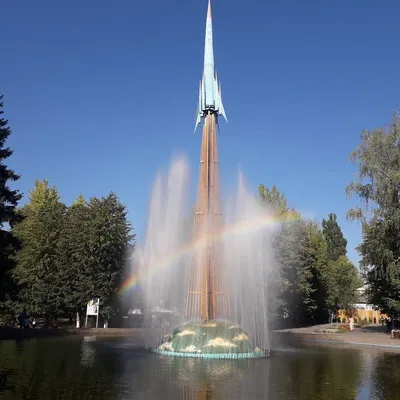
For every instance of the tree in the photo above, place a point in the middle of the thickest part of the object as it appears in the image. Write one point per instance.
(344, 277)
(334, 237)
(294, 305)
(110, 246)
(297, 260)
(346, 281)
(377, 185)
(315, 254)
(36, 268)
(315, 276)
(73, 256)
(274, 198)
(93, 251)
(9, 199)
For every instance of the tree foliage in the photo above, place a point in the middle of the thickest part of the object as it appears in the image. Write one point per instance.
(71, 254)
(274, 198)
(377, 185)
(334, 237)
(36, 270)
(345, 282)
(9, 199)
(315, 276)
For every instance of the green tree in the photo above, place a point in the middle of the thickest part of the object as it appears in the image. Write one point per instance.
(294, 303)
(36, 263)
(94, 252)
(274, 198)
(346, 281)
(295, 257)
(334, 237)
(377, 185)
(344, 278)
(73, 256)
(315, 254)
(110, 244)
(315, 276)
(9, 199)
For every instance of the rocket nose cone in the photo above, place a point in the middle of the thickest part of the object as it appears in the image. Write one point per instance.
(209, 10)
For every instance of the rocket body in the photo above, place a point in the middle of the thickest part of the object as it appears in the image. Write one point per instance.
(210, 99)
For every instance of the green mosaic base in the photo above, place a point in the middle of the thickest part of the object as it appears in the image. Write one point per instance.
(212, 339)
(255, 354)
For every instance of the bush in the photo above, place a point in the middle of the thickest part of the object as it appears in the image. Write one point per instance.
(364, 322)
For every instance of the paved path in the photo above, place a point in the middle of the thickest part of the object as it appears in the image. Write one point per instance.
(370, 335)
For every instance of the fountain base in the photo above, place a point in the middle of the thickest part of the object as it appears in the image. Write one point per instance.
(210, 339)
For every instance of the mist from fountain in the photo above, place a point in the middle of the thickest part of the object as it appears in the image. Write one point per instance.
(163, 261)
(248, 255)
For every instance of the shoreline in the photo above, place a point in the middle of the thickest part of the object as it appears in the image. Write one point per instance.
(374, 336)
(371, 336)
(298, 338)
(12, 333)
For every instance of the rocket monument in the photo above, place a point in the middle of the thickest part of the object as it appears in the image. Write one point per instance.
(208, 295)
(208, 298)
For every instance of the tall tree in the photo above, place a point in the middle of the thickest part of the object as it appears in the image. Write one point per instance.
(378, 187)
(293, 243)
(315, 276)
(73, 256)
(294, 303)
(334, 237)
(315, 253)
(94, 251)
(274, 198)
(37, 268)
(344, 277)
(345, 282)
(9, 199)
(110, 244)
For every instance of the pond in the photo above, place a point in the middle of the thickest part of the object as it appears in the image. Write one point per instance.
(97, 368)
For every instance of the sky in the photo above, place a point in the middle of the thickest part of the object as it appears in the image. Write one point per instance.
(100, 95)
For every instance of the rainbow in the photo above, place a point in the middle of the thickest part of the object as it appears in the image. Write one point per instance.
(247, 226)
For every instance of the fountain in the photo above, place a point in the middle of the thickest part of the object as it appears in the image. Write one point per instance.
(171, 263)
(206, 275)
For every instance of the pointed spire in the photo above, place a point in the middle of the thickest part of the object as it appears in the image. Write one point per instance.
(208, 44)
(210, 100)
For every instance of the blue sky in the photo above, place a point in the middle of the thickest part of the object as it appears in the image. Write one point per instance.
(100, 94)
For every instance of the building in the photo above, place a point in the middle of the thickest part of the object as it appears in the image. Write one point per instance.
(361, 311)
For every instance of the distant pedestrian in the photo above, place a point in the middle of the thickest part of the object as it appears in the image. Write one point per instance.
(388, 324)
(22, 318)
(351, 323)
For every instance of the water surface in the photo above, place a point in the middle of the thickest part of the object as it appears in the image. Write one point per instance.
(93, 368)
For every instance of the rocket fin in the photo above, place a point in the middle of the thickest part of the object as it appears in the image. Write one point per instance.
(216, 97)
(199, 108)
(221, 106)
(197, 123)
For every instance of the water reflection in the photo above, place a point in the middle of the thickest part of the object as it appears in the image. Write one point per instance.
(81, 368)
(385, 377)
(88, 351)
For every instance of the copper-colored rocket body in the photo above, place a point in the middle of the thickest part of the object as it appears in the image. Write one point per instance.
(208, 296)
